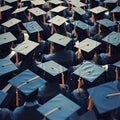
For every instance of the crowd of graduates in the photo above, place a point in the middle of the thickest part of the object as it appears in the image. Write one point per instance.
(59, 59)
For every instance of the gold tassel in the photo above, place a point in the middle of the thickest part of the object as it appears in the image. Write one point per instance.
(119, 28)
(79, 85)
(93, 18)
(49, 6)
(29, 16)
(63, 81)
(51, 48)
(52, 29)
(99, 30)
(17, 98)
(95, 58)
(90, 103)
(109, 50)
(79, 54)
(75, 33)
(44, 19)
(39, 37)
(113, 17)
(4, 3)
(88, 32)
(17, 59)
(0, 13)
(68, 2)
(86, 1)
(116, 74)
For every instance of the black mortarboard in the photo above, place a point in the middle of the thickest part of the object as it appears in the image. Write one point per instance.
(90, 72)
(90, 115)
(57, 108)
(104, 96)
(7, 38)
(113, 38)
(59, 39)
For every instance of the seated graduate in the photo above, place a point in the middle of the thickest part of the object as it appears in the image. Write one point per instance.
(5, 113)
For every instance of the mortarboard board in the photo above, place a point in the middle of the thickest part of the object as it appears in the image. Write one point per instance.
(33, 27)
(7, 38)
(55, 2)
(104, 96)
(77, 3)
(5, 7)
(110, 1)
(19, 10)
(87, 45)
(113, 38)
(58, 9)
(116, 9)
(37, 2)
(27, 82)
(79, 10)
(118, 22)
(11, 1)
(59, 39)
(2, 96)
(57, 108)
(54, 69)
(58, 20)
(89, 71)
(90, 115)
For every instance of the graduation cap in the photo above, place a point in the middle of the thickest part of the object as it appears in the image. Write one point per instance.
(3, 9)
(10, 23)
(54, 69)
(25, 48)
(26, 82)
(97, 13)
(79, 10)
(118, 22)
(106, 96)
(87, 46)
(90, 115)
(33, 27)
(10, 1)
(117, 65)
(3, 96)
(116, 10)
(77, 3)
(7, 38)
(59, 39)
(89, 71)
(19, 10)
(7, 67)
(38, 12)
(54, 2)
(113, 39)
(37, 2)
(57, 108)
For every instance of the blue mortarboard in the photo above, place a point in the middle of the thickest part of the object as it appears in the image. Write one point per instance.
(32, 27)
(110, 1)
(2, 97)
(7, 38)
(6, 66)
(116, 9)
(106, 22)
(117, 64)
(89, 71)
(104, 96)
(58, 108)
(113, 38)
(27, 82)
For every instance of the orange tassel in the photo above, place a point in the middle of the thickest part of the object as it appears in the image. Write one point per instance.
(5, 29)
(51, 48)
(86, 1)
(99, 30)
(52, 29)
(79, 54)
(119, 28)
(17, 98)
(63, 81)
(0, 13)
(29, 16)
(93, 18)
(68, 2)
(4, 3)
(78, 89)
(17, 61)
(75, 33)
(49, 6)
(39, 37)
(109, 50)
(116, 74)
(88, 32)
(113, 17)
(90, 103)
(44, 19)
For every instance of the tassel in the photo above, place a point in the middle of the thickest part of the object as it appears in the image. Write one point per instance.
(86, 1)
(99, 30)
(0, 13)
(63, 81)
(32, 6)
(5, 29)
(90, 103)
(116, 74)
(51, 48)
(113, 17)
(109, 50)
(88, 32)
(4, 3)
(17, 61)
(29, 16)
(44, 19)
(72, 13)
(105, 5)
(119, 28)
(68, 2)
(52, 29)
(93, 18)
(79, 54)
(75, 33)
(49, 6)
(95, 58)
(17, 98)
(39, 37)
(78, 89)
